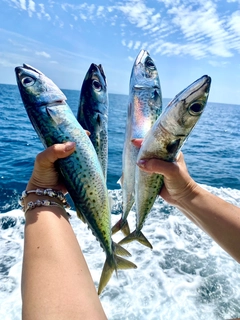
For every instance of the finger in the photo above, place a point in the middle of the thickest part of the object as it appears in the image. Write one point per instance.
(157, 166)
(47, 158)
(137, 142)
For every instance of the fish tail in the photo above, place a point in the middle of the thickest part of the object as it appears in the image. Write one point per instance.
(121, 225)
(136, 235)
(113, 263)
(119, 250)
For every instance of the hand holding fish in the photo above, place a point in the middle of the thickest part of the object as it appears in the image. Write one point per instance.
(218, 218)
(177, 181)
(45, 174)
(53, 263)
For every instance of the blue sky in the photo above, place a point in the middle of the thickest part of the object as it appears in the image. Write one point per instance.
(186, 39)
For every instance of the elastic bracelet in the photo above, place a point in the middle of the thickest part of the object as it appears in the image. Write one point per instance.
(43, 203)
(45, 192)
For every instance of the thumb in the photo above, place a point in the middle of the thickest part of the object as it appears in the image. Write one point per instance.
(156, 166)
(47, 158)
(168, 169)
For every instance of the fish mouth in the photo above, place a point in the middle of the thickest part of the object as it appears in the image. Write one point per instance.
(25, 66)
(28, 67)
(141, 87)
(141, 55)
(54, 103)
(202, 83)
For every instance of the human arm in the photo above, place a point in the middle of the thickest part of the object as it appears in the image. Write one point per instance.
(56, 282)
(218, 218)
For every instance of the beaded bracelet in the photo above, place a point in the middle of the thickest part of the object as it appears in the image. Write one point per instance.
(46, 192)
(41, 203)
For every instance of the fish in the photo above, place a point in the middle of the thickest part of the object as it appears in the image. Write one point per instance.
(164, 141)
(93, 111)
(144, 107)
(54, 122)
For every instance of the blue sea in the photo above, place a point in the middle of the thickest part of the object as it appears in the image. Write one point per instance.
(186, 276)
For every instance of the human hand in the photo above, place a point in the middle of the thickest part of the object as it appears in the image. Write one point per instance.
(45, 175)
(178, 184)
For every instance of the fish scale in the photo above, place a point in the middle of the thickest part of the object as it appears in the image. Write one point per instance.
(164, 141)
(144, 107)
(82, 174)
(93, 111)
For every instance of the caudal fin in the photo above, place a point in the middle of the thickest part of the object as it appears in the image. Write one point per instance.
(113, 263)
(119, 250)
(121, 225)
(136, 235)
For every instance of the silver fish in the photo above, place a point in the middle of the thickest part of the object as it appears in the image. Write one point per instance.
(93, 111)
(145, 105)
(54, 122)
(164, 141)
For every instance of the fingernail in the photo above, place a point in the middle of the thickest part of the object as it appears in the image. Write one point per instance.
(141, 163)
(69, 145)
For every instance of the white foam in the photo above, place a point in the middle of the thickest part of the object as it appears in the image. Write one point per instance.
(185, 276)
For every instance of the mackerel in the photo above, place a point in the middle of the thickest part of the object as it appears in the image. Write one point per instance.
(144, 107)
(54, 123)
(164, 141)
(93, 111)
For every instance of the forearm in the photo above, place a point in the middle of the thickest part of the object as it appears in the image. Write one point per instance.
(218, 218)
(56, 282)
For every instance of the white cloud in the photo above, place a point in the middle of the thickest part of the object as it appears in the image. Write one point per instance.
(168, 27)
(83, 17)
(124, 43)
(22, 4)
(74, 17)
(42, 12)
(138, 13)
(172, 3)
(234, 23)
(100, 11)
(31, 7)
(43, 54)
(216, 63)
(130, 44)
(199, 30)
(137, 45)
(58, 22)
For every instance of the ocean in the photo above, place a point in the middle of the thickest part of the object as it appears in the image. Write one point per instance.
(186, 275)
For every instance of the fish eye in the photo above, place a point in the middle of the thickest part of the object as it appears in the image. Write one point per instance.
(96, 85)
(149, 64)
(27, 81)
(195, 109)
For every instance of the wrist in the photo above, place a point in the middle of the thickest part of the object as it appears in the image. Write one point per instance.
(192, 192)
(35, 206)
(39, 198)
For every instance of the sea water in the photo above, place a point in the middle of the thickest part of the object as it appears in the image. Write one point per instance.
(186, 275)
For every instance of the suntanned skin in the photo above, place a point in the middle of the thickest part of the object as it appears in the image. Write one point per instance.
(218, 218)
(56, 282)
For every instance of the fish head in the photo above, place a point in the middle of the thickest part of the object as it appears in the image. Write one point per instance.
(36, 89)
(144, 72)
(145, 98)
(94, 98)
(184, 111)
(95, 84)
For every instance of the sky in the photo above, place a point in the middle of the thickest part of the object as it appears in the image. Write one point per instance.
(186, 39)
